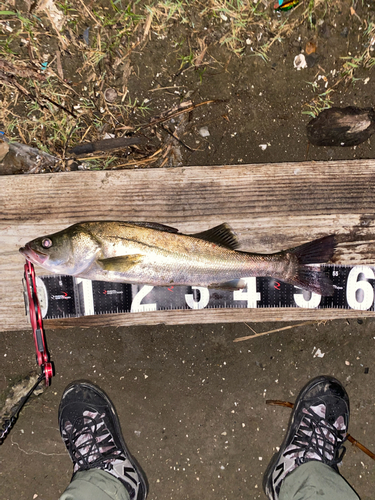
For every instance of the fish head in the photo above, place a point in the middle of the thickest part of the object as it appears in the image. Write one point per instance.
(70, 251)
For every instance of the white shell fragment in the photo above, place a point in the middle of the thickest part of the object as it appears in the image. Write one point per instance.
(318, 353)
(203, 131)
(300, 62)
(110, 94)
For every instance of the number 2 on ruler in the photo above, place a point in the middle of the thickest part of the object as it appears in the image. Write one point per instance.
(139, 296)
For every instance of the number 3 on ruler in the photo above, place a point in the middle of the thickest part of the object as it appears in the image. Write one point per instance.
(202, 301)
(359, 292)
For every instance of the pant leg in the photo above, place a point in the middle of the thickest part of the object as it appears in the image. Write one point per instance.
(95, 484)
(316, 481)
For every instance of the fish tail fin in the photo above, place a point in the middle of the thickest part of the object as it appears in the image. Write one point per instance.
(313, 280)
(314, 252)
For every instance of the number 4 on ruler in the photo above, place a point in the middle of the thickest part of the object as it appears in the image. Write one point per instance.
(249, 293)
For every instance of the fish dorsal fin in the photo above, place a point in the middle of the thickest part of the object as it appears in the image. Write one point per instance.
(155, 225)
(222, 235)
(120, 264)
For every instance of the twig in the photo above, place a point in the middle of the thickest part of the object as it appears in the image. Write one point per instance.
(90, 13)
(22, 71)
(166, 129)
(59, 65)
(278, 402)
(288, 404)
(147, 26)
(177, 113)
(59, 36)
(36, 98)
(360, 446)
(239, 339)
(166, 88)
(145, 160)
(43, 96)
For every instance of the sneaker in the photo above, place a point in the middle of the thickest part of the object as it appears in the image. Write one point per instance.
(317, 430)
(91, 431)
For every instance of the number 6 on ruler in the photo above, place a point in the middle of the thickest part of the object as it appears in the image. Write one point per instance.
(360, 293)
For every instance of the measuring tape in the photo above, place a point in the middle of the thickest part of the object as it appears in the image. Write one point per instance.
(62, 296)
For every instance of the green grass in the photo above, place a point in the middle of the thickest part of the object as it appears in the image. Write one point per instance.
(41, 114)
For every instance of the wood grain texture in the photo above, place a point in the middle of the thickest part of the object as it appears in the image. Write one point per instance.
(271, 207)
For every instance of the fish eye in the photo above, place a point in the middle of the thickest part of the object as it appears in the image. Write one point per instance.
(46, 243)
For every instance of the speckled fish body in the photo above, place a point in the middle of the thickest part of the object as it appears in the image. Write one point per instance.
(159, 255)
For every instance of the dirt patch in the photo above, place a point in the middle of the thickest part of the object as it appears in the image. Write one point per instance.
(191, 402)
(152, 58)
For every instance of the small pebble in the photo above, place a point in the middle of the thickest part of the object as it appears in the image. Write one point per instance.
(203, 131)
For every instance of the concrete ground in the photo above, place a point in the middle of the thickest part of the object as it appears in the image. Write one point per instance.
(192, 403)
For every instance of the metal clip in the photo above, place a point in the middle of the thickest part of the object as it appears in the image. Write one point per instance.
(42, 355)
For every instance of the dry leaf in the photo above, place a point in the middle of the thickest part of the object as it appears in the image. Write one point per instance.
(353, 13)
(147, 26)
(56, 16)
(203, 47)
(59, 66)
(310, 47)
(126, 72)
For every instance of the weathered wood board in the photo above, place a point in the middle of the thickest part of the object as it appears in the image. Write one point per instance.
(270, 206)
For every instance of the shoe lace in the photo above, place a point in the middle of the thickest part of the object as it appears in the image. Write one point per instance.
(90, 443)
(316, 436)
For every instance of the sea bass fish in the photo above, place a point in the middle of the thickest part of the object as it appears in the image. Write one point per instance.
(154, 254)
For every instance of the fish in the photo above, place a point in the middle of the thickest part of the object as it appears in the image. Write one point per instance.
(159, 255)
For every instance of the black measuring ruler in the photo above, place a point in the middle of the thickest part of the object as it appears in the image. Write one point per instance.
(66, 296)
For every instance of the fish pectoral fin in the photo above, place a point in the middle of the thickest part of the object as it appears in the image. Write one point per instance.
(229, 285)
(222, 235)
(120, 264)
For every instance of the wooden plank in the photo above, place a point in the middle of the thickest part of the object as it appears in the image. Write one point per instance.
(270, 206)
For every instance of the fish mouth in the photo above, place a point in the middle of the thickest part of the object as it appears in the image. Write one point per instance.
(33, 255)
